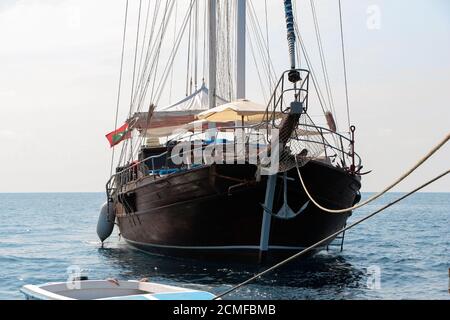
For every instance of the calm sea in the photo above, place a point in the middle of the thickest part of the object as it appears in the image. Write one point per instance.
(400, 254)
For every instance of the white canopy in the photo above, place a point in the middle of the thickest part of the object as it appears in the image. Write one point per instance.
(239, 110)
(163, 121)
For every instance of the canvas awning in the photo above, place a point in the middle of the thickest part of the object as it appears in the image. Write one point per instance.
(239, 110)
(163, 121)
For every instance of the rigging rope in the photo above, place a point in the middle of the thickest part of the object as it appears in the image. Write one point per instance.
(152, 51)
(134, 70)
(266, 13)
(301, 43)
(313, 76)
(205, 53)
(319, 93)
(164, 24)
(165, 21)
(371, 199)
(196, 37)
(120, 82)
(156, 46)
(262, 47)
(344, 64)
(188, 65)
(172, 55)
(150, 47)
(332, 236)
(225, 46)
(311, 67)
(323, 60)
(174, 36)
(261, 83)
(143, 45)
(135, 56)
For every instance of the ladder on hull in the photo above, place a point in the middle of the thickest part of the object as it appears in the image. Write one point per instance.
(338, 241)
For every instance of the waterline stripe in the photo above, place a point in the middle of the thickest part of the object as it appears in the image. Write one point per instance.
(238, 247)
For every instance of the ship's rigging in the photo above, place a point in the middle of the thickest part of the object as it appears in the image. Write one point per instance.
(160, 43)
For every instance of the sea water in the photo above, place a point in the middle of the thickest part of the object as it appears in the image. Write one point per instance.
(403, 253)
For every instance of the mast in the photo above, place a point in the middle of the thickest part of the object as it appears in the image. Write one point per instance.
(241, 48)
(294, 76)
(212, 17)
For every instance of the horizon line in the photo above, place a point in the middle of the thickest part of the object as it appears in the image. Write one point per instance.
(88, 192)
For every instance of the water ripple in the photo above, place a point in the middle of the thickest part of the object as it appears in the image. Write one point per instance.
(43, 235)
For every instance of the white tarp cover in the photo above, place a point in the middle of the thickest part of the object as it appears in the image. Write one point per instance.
(165, 120)
(238, 110)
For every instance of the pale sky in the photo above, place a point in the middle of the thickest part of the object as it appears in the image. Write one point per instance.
(59, 68)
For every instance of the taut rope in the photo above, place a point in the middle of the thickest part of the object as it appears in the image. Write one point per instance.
(329, 237)
(371, 199)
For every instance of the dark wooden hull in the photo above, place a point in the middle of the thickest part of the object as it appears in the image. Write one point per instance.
(206, 213)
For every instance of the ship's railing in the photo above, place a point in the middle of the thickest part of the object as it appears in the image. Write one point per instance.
(131, 172)
(341, 145)
(282, 95)
(332, 143)
(325, 142)
(248, 137)
(147, 166)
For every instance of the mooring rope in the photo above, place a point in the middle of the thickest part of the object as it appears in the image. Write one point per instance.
(297, 255)
(373, 198)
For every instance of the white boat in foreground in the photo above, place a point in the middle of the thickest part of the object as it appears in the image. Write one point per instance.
(111, 290)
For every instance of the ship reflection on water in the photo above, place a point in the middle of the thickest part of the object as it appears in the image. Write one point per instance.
(322, 276)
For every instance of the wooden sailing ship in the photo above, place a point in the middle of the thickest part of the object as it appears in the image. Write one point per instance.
(189, 193)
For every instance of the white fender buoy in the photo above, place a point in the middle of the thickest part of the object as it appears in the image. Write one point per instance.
(105, 224)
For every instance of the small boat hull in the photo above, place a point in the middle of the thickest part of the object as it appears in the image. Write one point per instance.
(111, 290)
